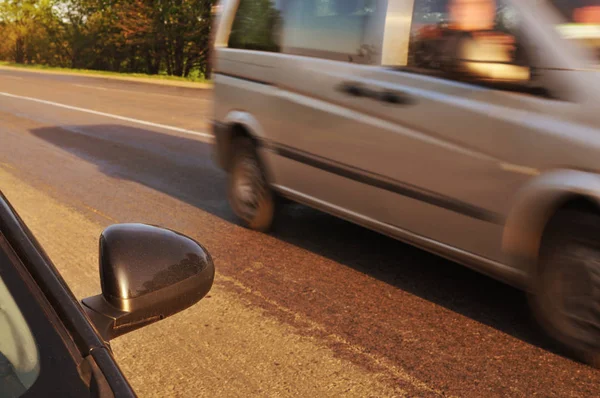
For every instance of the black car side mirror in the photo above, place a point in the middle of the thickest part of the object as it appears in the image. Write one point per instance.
(147, 273)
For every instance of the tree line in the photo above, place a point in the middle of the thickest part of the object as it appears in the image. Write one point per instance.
(133, 36)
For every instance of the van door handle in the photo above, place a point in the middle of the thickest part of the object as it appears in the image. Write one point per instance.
(397, 98)
(390, 97)
(352, 89)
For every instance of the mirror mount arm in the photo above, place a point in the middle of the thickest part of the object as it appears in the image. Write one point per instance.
(106, 318)
(112, 322)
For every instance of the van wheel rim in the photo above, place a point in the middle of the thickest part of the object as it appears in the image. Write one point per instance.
(248, 188)
(573, 293)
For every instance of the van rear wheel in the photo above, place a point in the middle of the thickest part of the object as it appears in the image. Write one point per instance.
(566, 286)
(250, 196)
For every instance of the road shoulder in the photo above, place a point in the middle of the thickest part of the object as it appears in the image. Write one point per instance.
(141, 80)
(221, 347)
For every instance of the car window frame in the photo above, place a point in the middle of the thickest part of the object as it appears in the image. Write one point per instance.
(400, 63)
(58, 354)
(37, 268)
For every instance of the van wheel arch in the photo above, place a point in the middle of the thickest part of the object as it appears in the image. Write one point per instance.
(569, 203)
(235, 132)
(533, 209)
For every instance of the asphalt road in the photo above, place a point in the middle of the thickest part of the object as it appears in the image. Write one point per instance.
(319, 307)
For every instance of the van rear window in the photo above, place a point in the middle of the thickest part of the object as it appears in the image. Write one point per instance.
(256, 26)
(330, 29)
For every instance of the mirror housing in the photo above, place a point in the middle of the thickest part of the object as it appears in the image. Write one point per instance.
(147, 273)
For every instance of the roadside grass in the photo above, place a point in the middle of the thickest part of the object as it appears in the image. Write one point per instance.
(193, 78)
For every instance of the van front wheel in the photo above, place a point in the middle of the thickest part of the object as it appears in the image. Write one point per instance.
(566, 286)
(250, 196)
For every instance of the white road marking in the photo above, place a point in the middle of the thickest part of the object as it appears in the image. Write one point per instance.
(94, 87)
(11, 77)
(206, 136)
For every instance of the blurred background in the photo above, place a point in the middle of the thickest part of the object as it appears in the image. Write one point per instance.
(132, 36)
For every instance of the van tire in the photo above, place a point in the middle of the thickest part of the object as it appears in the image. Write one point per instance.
(565, 295)
(250, 195)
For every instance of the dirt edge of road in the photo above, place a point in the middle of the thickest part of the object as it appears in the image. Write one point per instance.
(142, 80)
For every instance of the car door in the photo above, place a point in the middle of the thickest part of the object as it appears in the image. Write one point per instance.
(410, 151)
(449, 152)
(315, 132)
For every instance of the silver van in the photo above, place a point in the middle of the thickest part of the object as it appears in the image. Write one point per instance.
(469, 128)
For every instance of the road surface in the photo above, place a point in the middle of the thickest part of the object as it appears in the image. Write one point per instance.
(319, 307)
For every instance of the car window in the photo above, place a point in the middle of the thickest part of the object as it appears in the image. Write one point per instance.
(581, 23)
(333, 29)
(472, 40)
(256, 25)
(330, 29)
(38, 356)
(19, 357)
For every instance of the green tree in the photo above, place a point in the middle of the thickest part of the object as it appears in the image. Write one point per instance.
(23, 25)
(147, 36)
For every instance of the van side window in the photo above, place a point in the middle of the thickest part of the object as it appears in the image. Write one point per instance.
(468, 40)
(256, 25)
(330, 29)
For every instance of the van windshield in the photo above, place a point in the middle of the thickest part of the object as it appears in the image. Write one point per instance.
(581, 22)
